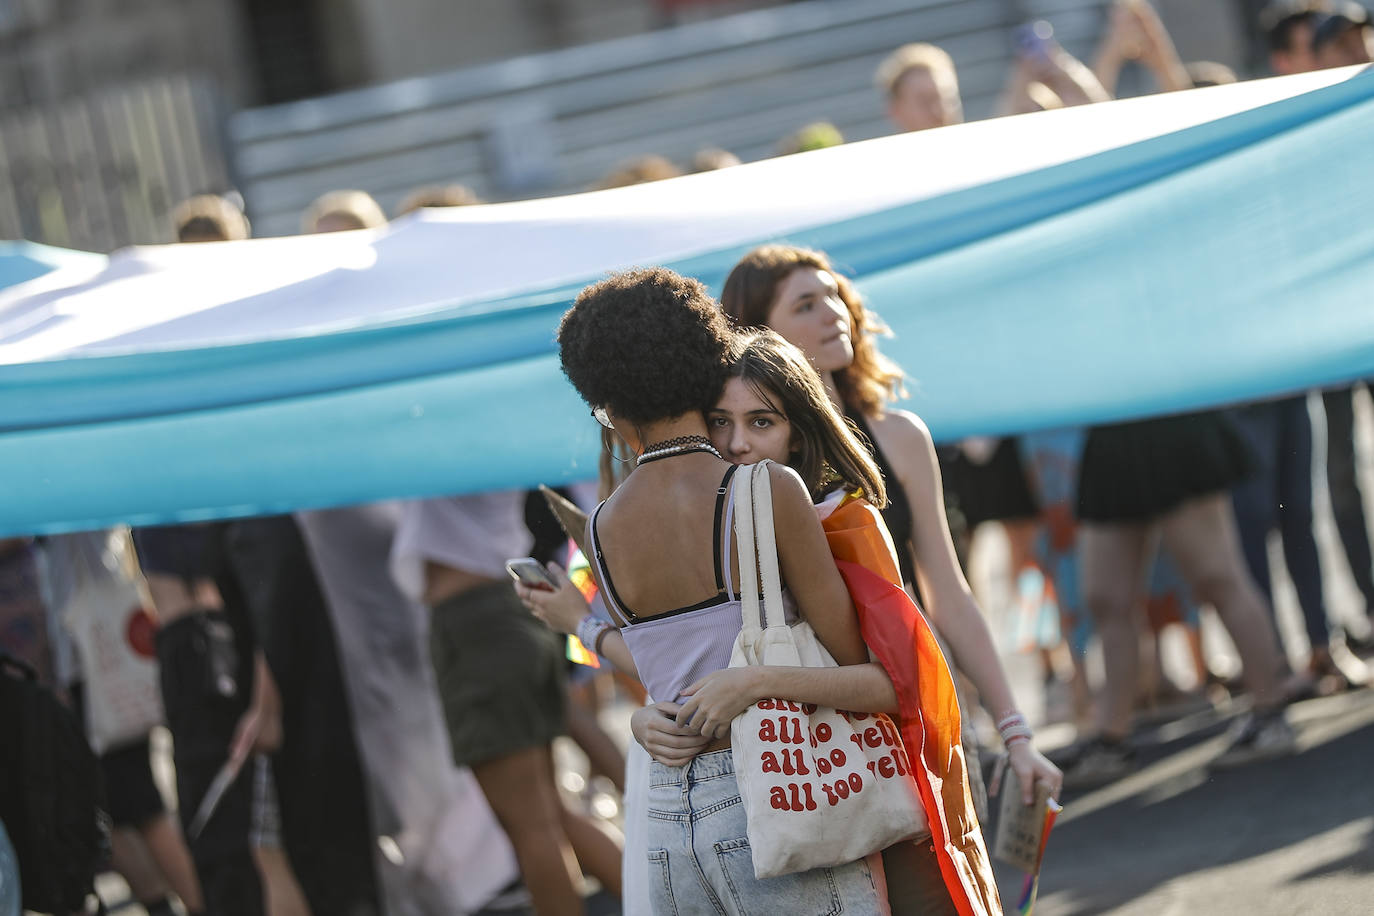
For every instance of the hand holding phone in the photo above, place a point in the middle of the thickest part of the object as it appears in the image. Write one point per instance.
(530, 573)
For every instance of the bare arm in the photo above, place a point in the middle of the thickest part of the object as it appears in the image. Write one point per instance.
(563, 609)
(1137, 33)
(949, 600)
(1070, 79)
(809, 570)
(716, 699)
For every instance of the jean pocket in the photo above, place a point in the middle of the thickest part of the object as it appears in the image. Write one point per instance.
(809, 893)
(661, 884)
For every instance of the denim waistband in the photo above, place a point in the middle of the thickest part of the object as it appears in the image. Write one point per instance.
(703, 766)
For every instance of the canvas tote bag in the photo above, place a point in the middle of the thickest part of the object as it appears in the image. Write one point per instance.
(820, 786)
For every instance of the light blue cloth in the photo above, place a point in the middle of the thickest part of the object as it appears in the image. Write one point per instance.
(24, 261)
(1223, 262)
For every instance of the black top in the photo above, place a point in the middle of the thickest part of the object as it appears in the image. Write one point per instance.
(897, 515)
(192, 551)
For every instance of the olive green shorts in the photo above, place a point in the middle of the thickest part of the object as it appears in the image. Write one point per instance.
(500, 674)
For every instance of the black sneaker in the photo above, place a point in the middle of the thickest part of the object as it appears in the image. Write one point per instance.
(1099, 762)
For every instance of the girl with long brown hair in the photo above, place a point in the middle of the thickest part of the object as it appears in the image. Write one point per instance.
(796, 292)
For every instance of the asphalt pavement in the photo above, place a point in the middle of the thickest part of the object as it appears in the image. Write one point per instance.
(1287, 836)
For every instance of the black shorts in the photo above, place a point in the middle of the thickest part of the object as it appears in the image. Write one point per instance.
(1136, 472)
(994, 491)
(132, 796)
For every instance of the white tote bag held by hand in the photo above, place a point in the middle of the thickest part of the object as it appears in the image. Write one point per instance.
(821, 787)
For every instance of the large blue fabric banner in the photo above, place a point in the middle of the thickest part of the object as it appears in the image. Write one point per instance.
(1069, 267)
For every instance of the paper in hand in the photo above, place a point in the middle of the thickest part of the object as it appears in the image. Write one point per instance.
(1021, 828)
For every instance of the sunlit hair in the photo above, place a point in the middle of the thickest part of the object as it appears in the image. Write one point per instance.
(750, 293)
(825, 448)
(1210, 73)
(711, 158)
(814, 136)
(645, 344)
(919, 56)
(641, 170)
(437, 195)
(356, 208)
(209, 218)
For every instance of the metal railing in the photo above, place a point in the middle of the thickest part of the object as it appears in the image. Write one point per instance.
(558, 121)
(102, 171)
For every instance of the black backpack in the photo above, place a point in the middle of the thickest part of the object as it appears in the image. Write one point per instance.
(51, 794)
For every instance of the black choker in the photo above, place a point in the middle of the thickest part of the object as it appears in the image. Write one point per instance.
(681, 445)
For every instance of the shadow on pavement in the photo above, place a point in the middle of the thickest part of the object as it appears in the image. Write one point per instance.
(1193, 820)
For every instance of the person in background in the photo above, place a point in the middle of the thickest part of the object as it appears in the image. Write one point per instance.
(500, 675)
(212, 681)
(324, 822)
(147, 847)
(1287, 26)
(341, 211)
(1136, 33)
(1046, 77)
(640, 170)
(209, 218)
(1343, 38)
(1278, 495)
(814, 136)
(1169, 478)
(208, 672)
(443, 850)
(1290, 28)
(437, 195)
(921, 88)
(985, 479)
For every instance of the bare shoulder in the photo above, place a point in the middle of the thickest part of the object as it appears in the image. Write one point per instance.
(901, 431)
(787, 484)
(790, 497)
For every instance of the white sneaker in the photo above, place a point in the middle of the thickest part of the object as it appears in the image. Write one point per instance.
(1260, 737)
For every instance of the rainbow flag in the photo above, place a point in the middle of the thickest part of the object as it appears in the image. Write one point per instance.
(1026, 905)
(580, 572)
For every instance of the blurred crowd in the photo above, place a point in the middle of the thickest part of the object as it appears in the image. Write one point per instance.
(320, 675)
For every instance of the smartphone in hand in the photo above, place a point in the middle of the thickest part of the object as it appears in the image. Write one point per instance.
(530, 573)
(1034, 39)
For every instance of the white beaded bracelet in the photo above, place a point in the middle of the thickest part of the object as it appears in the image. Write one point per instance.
(1013, 727)
(590, 629)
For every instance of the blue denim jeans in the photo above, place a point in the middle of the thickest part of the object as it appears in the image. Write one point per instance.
(700, 861)
(1279, 495)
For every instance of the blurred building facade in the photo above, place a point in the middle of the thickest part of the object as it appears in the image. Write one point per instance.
(141, 102)
(267, 51)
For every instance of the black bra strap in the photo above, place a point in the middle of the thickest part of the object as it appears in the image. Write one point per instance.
(721, 493)
(615, 604)
(618, 605)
